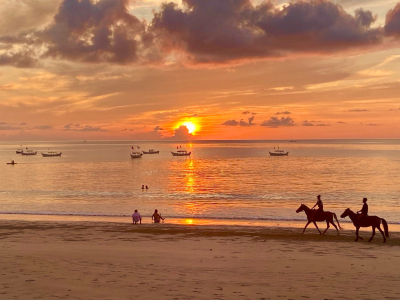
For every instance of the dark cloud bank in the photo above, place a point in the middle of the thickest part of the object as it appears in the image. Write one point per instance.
(200, 32)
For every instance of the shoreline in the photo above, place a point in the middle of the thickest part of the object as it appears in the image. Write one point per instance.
(295, 224)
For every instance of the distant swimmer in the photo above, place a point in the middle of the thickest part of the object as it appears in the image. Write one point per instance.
(157, 217)
(320, 205)
(136, 217)
(364, 210)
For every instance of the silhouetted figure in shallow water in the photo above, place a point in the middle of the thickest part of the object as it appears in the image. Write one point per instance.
(142, 186)
(156, 217)
(136, 217)
(363, 213)
(320, 205)
(147, 187)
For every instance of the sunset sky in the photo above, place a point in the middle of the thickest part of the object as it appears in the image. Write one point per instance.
(230, 69)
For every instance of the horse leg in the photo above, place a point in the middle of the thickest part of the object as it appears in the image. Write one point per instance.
(327, 226)
(384, 238)
(373, 233)
(317, 227)
(306, 226)
(333, 223)
(357, 229)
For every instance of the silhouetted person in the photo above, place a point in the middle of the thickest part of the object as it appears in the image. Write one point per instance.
(147, 187)
(136, 217)
(320, 205)
(364, 210)
(156, 217)
(142, 186)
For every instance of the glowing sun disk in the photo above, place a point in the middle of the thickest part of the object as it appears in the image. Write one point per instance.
(190, 126)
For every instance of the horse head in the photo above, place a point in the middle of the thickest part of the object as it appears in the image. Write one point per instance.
(301, 208)
(345, 213)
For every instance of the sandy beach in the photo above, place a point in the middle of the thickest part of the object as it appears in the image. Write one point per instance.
(105, 260)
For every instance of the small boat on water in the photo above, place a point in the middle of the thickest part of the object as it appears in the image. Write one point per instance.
(19, 151)
(29, 152)
(136, 154)
(278, 152)
(51, 154)
(181, 153)
(151, 151)
(12, 163)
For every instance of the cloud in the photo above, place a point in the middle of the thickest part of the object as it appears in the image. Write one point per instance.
(357, 110)
(5, 126)
(21, 59)
(392, 22)
(230, 123)
(157, 128)
(241, 122)
(394, 109)
(276, 122)
(78, 127)
(83, 30)
(212, 31)
(43, 127)
(341, 122)
(306, 123)
(198, 32)
(182, 133)
(245, 112)
(283, 113)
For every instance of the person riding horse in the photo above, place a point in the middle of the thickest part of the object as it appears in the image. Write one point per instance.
(320, 209)
(363, 213)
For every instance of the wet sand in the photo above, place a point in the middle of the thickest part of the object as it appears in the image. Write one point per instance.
(105, 260)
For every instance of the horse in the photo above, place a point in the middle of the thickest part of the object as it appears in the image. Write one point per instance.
(368, 221)
(313, 216)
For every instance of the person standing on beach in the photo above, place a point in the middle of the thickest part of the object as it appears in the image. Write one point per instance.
(136, 217)
(364, 210)
(320, 209)
(156, 217)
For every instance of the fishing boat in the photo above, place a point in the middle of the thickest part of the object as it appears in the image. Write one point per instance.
(19, 151)
(29, 152)
(151, 151)
(181, 153)
(136, 154)
(51, 154)
(278, 152)
(12, 163)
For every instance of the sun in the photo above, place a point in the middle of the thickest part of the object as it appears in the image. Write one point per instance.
(190, 126)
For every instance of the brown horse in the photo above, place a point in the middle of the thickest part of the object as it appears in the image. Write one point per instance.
(368, 221)
(314, 216)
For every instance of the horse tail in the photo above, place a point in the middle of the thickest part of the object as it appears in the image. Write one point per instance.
(337, 220)
(386, 227)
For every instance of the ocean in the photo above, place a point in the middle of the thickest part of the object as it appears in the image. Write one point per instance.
(228, 180)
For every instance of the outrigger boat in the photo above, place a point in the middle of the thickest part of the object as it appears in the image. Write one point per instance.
(181, 153)
(19, 151)
(29, 152)
(136, 154)
(151, 151)
(12, 163)
(51, 154)
(278, 152)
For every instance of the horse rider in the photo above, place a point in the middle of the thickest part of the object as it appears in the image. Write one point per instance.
(363, 213)
(320, 209)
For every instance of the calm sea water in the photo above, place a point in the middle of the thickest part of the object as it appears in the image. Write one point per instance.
(220, 180)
